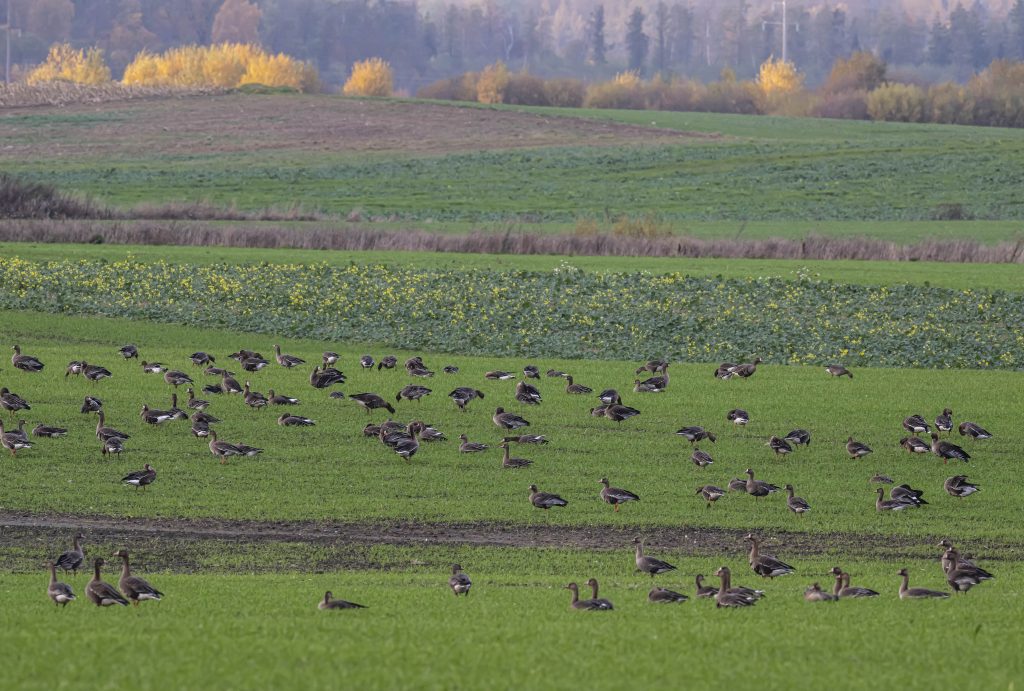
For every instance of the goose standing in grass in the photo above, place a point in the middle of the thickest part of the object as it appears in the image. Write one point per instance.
(199, 358)
(619, 412)
(531, 372)
(95, 373)
(608, 396)
(26, 363)
(796, 504)
(664, 596)
(798, 437)
(738, 416)
(528, 394)
(12, 402)
(651, 366)
(916, 424)
(203, 416)
(112, 445)
(20, 432)
(91, 404)
(459, 581)
(765, 565)
(974, 430)
(330, 603)
(74, 367)
(615, 495)
(323, 378)
(412, 392)
(136, 589)
(573, 388)
(648, 564)
(508, 421)
(545, 500)
(101, 593)
(883, 504)
(60, 593)
(41, 430)
(727, 596)
(507, 461)
(371, 401)
(462, 395)
(223, 449)
(701, 459)
(286, 360)
(140, 478)
(603, 603)
(839, 371)
(944, 422)
(253, 399)
(962, 574)
(366, 361)
(405, 444)
(153, 367)
(711, 493)
(758, 488)
(200, 429)
(387, 362)
(73, 558)
(816, 594)
(857, 449)
(695, 434)
(196, 403)
(467, 446)
(948, 450)
(229, 384)
(12, 441)
(780, 446)
(724, 370)
(577, 603)
(527, 439)
(958, 486)
(155, 417)
(908, 593)
(915, 445)
(177, 378)
(288, 420)
(746, 370)
(254, 364)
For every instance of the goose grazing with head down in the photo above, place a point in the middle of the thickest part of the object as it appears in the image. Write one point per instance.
(387, 362)
(908, 593)
(603, 603)
(112, 445)
(916, 424)
(948, 450)
(330, 603)
(101, 593)
(371, 401)
(199, 358)
(738, 416)
(695, 434)
(545, 500)
(73, 558)
(140, 478)
(857, 449)
(468, 446)
(944, 422)
(758, 488)
(528, 393)
(618, 412)
(905, 492)
(616, 495)
(780, 446)
(26, 363)
(153, 367)
(508, 462)
(463, 395)
(177, 378)
(724, 370)
(287, 420)
(508, 420)
(958, 486)
(727, 596)
(799, 437)
(974, 430)
(412, 392)
(915, 445)
(134, 588)
(816, 594)
(577, 603)
(839, 371)
(711, 493)
(608, 396)
(60, 593)
(531, 372)
(91, 404)
(765, 565)
(883, 504)
(796, 504)
(651, 366)
(95, 372)
(701, 459)
(648, 564)
(459, 582)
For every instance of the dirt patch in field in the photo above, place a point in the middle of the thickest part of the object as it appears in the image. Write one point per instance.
(212, 125)
(176, 544)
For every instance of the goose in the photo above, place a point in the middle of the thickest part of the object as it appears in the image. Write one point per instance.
(387, 362)
(405, 444)
(371, 401)
(766, 565)
(249, 450)
(20, 432)
(648, 564)
(797, 505)
(780, 446)
(600, 410)
(577, 603)
(418, 370)
(212, 371)
(136, 589)
(212, 389)
(974, 430)
(508, 421)
(329, 357)
(857, 449)
(962, 579)
(47, 431)
(229, 384)
(603, 603)
(555, 373)
(156, 417)
(287, 420)
(140, 478)
(74, 367)
(728, 596)
(883, 504)
(112, 445)
(528, 394)
(497, 375)
(663, 596)
(878, 478)
(839, 371)
(330, 603)
(724, 370)
(196, 403)
(253, 399)
(908, 593)
(655, 384)
(711, 493)
(371, 430)
(101, 593)
(738, 416)
(758, 488)
(915, 424)
(508, 462)
(450, 369)
(412, 392)
(337, 395)
(948, 450)
(428, 433)
(254, 364)
(25, 363)
(153, 367)
(701, 459)
(618, 412)
(459, 582)
(958, 486)
(95, 372)
(616, 495)
(915, 445)
(468, 446)
(695, 434)
(60, 593)
(545, 500)
(844, 589)
(223, 449)
(280, 399)
(953, 561)
(177, 378)
(944, 422)
(907, 493)
(12, 402)
(798, 437)
(531, 372)
(574, 388)
(745, 370)
(366, 362)
(323, 378)
(243, 354)
(608, 396)
(12, 441)
(200, 429)
(737, 485)
(651, 366)
(463, 395)
(91, 404)
(199, 358)
(287, 360)
(704, 591)
(527, 439)
(816, 594)
(203, 416)
(73, 558)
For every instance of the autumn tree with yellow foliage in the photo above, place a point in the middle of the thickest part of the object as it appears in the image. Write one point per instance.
(66, 64)
(225, 65)
(371, 77)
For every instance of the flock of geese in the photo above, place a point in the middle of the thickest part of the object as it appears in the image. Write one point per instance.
(405, 441)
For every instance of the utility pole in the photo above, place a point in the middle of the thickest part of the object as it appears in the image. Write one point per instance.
(7, 45)
(785, 28)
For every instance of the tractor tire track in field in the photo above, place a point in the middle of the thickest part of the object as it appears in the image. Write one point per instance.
(175, 540)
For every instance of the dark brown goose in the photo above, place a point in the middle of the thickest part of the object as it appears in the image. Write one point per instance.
(531, 372)
(701, 459)
(412, 392)
(73, 558)
(615, 495)
(463, 395)
(816, 594)
(329, 602)
(12, 402)
(155, 417)
(545, 500)
(780, 446)
(91, 404)
(508, 462)
(200, 430)
(574, 388)
(203, 416)
(915, 445)
(962, 574)
(948, 450)
(428, 433)
(883, 504)
(528, 393)
(797, 505)
(724, 370)
(727, 596)
(908, 493)
(651, 366)
(140, 478)
(738, 416)
(974, 430)
(459, 582)
(608, 396)
(195, 403)
(404, 444)
(153, 367)
(243, 354)
(323, 378)
(254, 399)
(371, 401)
(916, 424)
(213, 371)
(857, 449)
(527, 439)
(47, 431)
(664, 596)
(177, 378)
(229, 384)
(416, 368)
(136, 589)
(199, 358)
(366, 362)
(112, 445)
(280, 399)
(765, 565)
(745, 370)
(508, 420)
(95, 372)
(695, 434)
(711, 493)
(839, 371)
(908, 593)
(619, 412)
(101, 593)
(387, 362)
(648, 564)
(60, 593)
(254, 364)
(799, 437)
(286, 360)
(577, 603)
(12, 441)
(944, 422)
(288, 420)
(555, 373)
(958, 486)
(655, 384)
(468, 446)
(603, 603)
(26, 363)
(758, 488)
(704, 591)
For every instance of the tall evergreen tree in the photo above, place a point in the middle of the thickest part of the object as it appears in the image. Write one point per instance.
(595, 37)
(940, 46)
(661, 31)
(1016, 30)
(637, 42)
